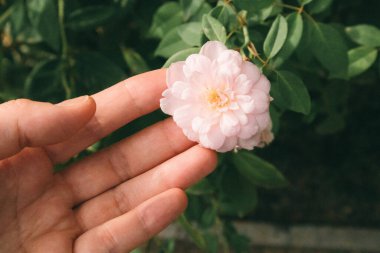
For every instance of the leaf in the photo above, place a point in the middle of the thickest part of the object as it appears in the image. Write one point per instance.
(97, 71)
(221, 13)
(213, 29)
(305, 2)
(289, 92)
(43, 80)
(171, 44)
(18, 17)
(295, 29)
(168, 16)
(360, 59)
(181, 56)
(318, 6)
(190, 7)
(329, 47)
(366, 35)
(201, 188)
(237, 195)
(191, 33)
(276, 37)
(44, 18)
(258, 171)
(90, 17)
(134, 61)
(255, 7)
(331, 125)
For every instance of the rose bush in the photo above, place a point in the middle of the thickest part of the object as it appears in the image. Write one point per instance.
(314, 54)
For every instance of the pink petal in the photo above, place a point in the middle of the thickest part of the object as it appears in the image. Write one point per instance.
(263, 120)
(175, 73)
(250, 128)
(229, 124)
(228, 145)
(261, 101)
(214, 139)
(249, 143)
(212, 49)
(243, 84)
(169, 103)
(183, 116)
(196, 63)
(263, 84)
(246, 103)
(251, 71)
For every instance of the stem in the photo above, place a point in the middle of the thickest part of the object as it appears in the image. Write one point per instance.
(193, 232)
(64, 47)
(292, 7)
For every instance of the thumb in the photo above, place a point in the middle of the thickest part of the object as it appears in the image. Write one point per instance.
(25, 123)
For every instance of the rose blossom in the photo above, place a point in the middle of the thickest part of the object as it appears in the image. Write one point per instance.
(219, 100)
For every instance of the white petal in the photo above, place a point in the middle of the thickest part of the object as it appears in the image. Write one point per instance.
(183, 116)
(214, 139)
(175, 73)
(228, 145)
(169, 103)
(229, 124)
(212, 49)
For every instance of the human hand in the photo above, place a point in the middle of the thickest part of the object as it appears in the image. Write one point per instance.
(111, 201)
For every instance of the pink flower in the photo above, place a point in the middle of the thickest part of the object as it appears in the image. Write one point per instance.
(219, 100)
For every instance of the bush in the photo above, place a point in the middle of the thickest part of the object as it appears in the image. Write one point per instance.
(320, 56)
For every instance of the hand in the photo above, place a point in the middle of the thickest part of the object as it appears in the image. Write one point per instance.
(111, 201)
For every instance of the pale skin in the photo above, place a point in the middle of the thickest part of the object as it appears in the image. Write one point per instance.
(111, 201)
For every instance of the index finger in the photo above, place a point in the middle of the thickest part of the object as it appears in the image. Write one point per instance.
(115, 107)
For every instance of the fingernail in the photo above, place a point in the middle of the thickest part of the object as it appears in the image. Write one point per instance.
(74, 101)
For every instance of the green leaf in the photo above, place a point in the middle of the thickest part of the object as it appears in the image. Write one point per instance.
(258, 171)
(90, 17)
(213, 29)
(181, 56)
(289, 92)
(318, 6)
(295, 28)
(43, 80)
(18, 17)
(191, 33)
(304, 2)
(329, 47)
(276, 37)
(366, 35)
(201, 188)
(44, 18)
(190, 7)
(97, 71)
(256, 8)
(171, 44)
(238, 196)
(221, 13)
(331, 125)
(134, 61)
(360, 59)
(168, 16)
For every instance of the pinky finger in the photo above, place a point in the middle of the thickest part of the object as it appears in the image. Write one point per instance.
(128, 231)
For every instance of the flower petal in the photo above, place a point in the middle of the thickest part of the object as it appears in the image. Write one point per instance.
(242, 84)
(228, 145)
(261, 101)
(213, 139)
(183, 116)
(229, 124)
(251, 71)
(249, 143)
(246, 103)
(250, 128)
(175, 73)
(196, 63)
(262, 84)
(212, 49)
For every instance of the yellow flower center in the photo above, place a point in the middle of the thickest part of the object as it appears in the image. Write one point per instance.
(217, 99)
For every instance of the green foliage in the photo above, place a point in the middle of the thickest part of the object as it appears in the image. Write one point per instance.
(57, 49)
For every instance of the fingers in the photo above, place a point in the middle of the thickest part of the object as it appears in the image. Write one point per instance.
(126, 232)
(116, 106)
(33, 124)
(181, 171)
(125, 160)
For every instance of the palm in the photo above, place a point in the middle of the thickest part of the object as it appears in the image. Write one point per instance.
(111, 201)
